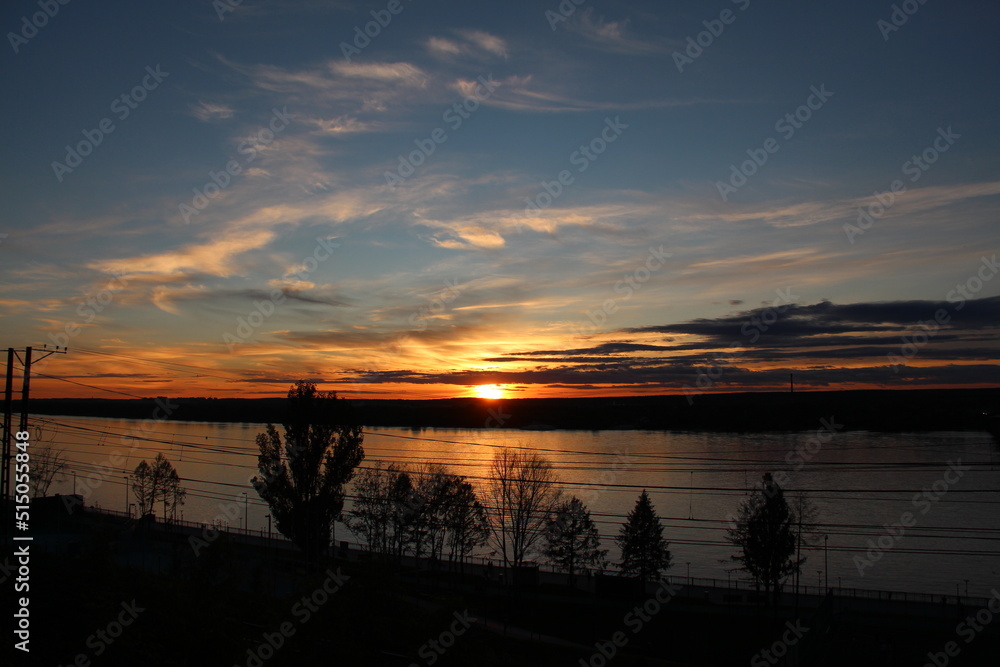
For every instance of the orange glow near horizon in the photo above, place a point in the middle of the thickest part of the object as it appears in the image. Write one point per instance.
(490, 391)
(122, 373)
(45, 388)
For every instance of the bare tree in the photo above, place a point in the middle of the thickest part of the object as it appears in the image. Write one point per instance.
(158, 481)
(47, 464)
(522, 494)
(382, 509)
(467, 521)
(447, 511)
(431, 486)
(144, 488)
(369, 513)
(400, 510)
(173, 493)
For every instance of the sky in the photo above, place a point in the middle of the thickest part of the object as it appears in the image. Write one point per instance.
(413, 199)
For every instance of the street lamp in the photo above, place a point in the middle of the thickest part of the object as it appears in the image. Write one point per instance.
(245, 516)
(826, 561)
(269, 548)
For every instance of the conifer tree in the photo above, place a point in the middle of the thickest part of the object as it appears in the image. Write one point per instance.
(645, 552)
(571, 539)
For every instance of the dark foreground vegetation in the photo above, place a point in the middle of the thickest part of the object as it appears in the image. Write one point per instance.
(223, 605)
(896, 410)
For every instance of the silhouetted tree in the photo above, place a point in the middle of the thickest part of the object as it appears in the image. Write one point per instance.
(522, 495)
(374, 514)
(143, 488)
(645, 553)
(158, 481)
(173, 493)
(302, 479)
(401, 510)
(764, 532)
(46, 465)
(467, 521)
(432, 486)
(571, 539)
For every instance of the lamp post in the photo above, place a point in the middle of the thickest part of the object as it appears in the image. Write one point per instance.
(819, 580)
(245, 517)
(270, 552)
(826, 561)
(125, 477)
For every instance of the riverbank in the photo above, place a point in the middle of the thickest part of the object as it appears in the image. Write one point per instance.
(238, 601)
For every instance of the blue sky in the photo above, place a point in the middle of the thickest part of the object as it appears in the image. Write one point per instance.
(639, 276)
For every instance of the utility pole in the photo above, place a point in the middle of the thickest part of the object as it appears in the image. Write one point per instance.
(25, 382)
(6, 473)
(7, 408)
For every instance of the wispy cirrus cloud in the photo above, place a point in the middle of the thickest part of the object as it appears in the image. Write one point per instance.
(816, 211)
(615, 36)
(211, 111)
(467, 43)
(341, 125)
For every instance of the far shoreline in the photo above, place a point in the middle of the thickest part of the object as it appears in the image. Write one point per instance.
(914, 410)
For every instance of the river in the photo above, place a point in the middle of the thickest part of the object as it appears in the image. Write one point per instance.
(868, 488)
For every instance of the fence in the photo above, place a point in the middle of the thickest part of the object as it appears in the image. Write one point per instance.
(734, 584)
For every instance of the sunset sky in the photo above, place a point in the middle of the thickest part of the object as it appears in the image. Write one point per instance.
(217, 199)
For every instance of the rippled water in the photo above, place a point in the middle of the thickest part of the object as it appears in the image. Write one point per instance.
(858, 481)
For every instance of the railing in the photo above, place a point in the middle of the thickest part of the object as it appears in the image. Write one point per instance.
(223, 527)
(734, 584)
(748, 586)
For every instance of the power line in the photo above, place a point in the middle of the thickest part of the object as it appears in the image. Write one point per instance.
(818, 466)
(170, 365)
(677, 540)
(617, 485)
(89, 386)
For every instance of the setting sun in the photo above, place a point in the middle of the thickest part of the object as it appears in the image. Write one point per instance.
(489, 391)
